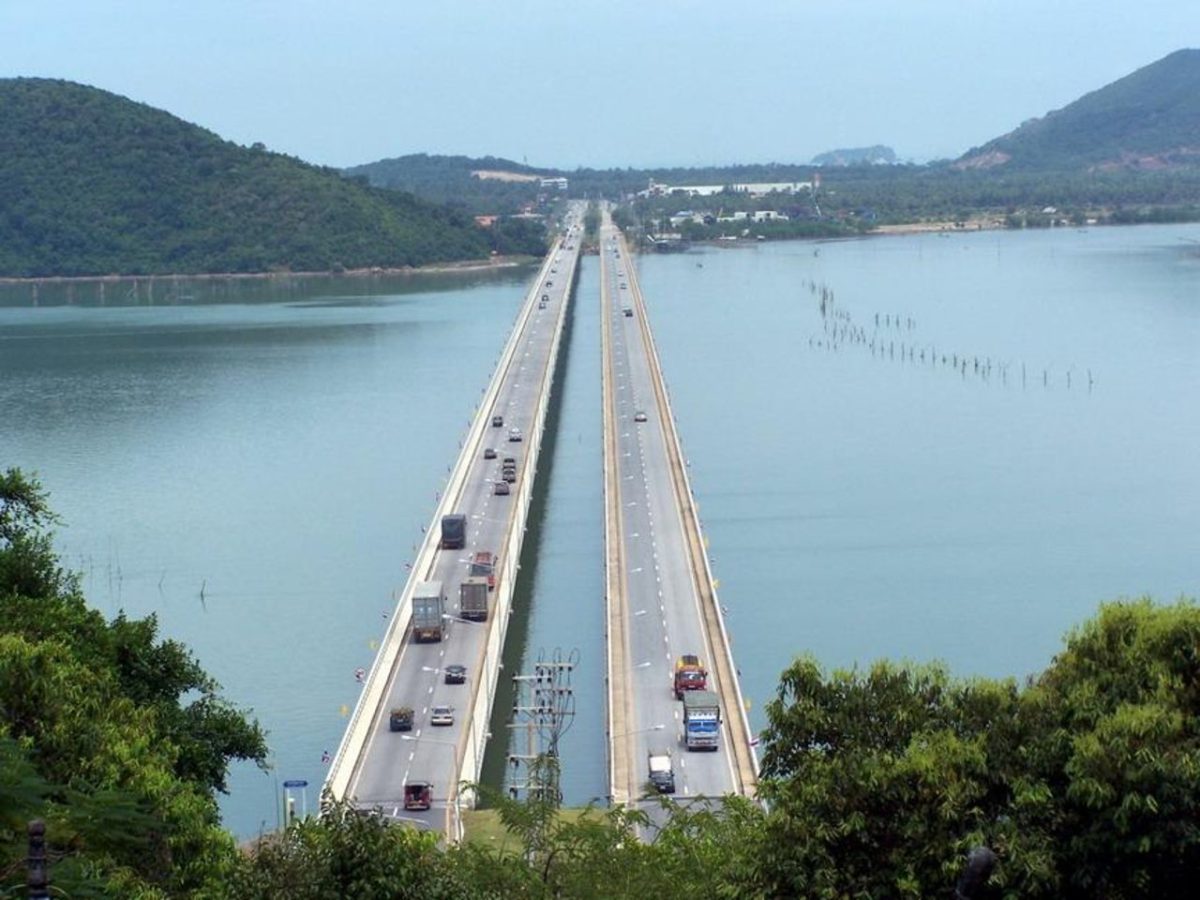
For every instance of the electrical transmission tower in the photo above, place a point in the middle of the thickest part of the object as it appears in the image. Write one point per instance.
(543, 711)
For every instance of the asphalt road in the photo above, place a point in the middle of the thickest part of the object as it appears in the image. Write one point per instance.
(432, 753)
(663, 613)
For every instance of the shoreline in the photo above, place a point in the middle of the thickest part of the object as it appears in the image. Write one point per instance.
(446, 268)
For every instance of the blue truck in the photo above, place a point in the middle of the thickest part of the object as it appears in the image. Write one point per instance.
(701, 720)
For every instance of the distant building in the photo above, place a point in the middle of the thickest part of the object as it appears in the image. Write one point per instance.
(754, 189)
(485, 221)
(558, 184)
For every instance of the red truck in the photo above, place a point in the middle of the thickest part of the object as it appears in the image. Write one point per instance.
(690, 675)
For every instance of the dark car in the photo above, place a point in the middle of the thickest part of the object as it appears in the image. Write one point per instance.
(456, 674)
(489, 453)
(500, 488)
(497, 421)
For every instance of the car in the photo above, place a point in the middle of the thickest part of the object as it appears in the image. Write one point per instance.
(401, 718)
(628, 312)
(500, 488)
(497, 421)
(456, 674)
(639, 416)
(509, 475)
(623, 286)
(549, 284)
(514, 434)
(441, 715)
(510, 461)
(489, 453)
(545, 297)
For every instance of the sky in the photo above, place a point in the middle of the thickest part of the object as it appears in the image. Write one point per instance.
(597, 82)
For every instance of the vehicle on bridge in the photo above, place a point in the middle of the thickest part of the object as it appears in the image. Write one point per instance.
(690, 675)
(484, 564)
(662, 775)
(701, 720)
(627, 311)
(473, 593)
(400, 719)
(639, 416)
(489, 453)
(418, 795)
(429, 619)
(514, 434)
(454, 531)
(501, 489)
(441, 715)
(455, 674)
(497, 421)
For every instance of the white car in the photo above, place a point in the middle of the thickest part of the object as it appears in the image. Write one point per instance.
(441, 715)
(514, 434)
(639, 416)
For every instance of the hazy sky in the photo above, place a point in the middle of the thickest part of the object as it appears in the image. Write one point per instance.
(596, 82)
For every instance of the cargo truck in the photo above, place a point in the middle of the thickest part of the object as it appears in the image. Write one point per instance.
(690, 675)
(428, 612)
(701, 720)
(454, 531)
(473, 598)
(484, 565)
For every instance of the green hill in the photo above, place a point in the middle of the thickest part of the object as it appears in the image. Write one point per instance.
(93, 183)
(486, 184)
(1149, 120)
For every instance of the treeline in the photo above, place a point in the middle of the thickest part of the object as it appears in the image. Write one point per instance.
(94, 184)
(1080, 782)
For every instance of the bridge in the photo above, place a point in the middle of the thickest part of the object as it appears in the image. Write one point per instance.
(391, 746)
(661, 598)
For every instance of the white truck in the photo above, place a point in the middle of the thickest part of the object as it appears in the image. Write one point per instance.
(701, 720)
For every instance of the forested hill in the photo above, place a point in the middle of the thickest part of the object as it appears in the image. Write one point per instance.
(93, 183)
(486, 184)
(1147, 120)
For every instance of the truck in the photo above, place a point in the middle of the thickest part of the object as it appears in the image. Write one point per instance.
(662, 775)
(701, 720)
(473, 598)
(428, 612)
(690, 675)
(484, 565)
(418, 795)
(454, 531)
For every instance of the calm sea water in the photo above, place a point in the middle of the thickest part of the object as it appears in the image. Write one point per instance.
(255, 466)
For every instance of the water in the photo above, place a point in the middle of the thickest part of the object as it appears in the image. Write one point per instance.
(859, 506)
(280, 447)
(279, 457)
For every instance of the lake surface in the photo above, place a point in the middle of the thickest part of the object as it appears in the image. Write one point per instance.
(255, 466)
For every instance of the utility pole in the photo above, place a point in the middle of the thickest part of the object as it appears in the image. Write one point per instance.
(543, 709)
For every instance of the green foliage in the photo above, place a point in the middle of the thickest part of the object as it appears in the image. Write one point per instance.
(1085, 782)
(92, 183)
(117, 739)
(347, 854)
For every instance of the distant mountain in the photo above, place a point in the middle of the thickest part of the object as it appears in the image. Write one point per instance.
(1147, 120)
(485, 184)
(879, 155)
(93, 183)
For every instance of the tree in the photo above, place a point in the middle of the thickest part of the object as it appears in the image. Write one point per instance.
(1084, 782)
(126, 736)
